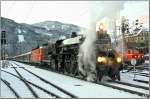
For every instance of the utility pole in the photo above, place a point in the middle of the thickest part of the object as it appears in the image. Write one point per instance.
(3, 50)
(115, 33)
(3, 43)
(124, 29)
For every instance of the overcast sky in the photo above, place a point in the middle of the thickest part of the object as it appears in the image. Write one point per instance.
(74, 12)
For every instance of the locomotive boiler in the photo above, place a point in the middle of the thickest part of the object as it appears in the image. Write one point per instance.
(63, 57)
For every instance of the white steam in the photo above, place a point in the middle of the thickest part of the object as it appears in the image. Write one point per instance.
(86, 58)
(98, 11)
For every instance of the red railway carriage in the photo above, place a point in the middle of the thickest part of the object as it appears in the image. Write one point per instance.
(37, 55)
(23, 57)
(40, 55)
(130, 54)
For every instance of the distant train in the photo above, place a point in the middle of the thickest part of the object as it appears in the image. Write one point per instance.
(138, 55)
(62, 56)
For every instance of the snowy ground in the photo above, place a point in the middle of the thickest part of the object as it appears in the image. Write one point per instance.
(80, 88)
(129, 76)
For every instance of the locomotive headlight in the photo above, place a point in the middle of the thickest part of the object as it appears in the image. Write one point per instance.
(118, 59)
(101, 59)
(101, 26)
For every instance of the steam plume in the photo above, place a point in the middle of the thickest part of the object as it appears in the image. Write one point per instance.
(98, 11)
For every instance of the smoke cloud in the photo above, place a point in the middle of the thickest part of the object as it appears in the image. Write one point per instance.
(98, 11)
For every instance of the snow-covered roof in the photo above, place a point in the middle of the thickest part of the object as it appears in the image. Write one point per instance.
(74, 40)
(145, 29)
(136, 34)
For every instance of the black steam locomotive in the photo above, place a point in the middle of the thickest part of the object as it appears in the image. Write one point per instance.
(64, 56)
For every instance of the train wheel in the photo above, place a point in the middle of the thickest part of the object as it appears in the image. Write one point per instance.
(115, 77)
(66, 67)
(74, 69)
(52, 64)
(118, 76)
(99, 75)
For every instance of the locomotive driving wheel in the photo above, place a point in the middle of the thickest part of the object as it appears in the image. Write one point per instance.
(74, 69)
(99, 75)
(52, 64)
(100, 72)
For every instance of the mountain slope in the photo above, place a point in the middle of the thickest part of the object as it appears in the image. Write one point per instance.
(23, 37)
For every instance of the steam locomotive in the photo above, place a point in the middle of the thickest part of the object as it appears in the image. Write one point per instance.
(62, 56)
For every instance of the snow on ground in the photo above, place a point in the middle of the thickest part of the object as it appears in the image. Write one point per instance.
(20, 38)
(19, 31)
(6, 92)
(129, 76)
(80, 88)
(131, 88)
(24, 31)
(40, 93)
(17, 85)
(34, 79)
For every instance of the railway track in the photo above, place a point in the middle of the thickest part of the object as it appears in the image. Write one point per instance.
(141, 90)
(142, 74)
(27, 84)
(47, 82)
(129, 84)
(142, 81)
(113, 86)
(35, 85)
(125, 89)
(110, 85)
(10, 87)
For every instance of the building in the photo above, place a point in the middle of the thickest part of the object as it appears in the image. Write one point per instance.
(139, 41)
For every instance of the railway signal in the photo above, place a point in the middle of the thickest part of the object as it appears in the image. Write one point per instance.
(3, 43)
(3, 50)
(3, 37)
(133, 62)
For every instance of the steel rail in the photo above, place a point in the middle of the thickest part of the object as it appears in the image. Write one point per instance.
(112, 86)
(142, 81)
(29, 87)
(9, 86)
(48, 82)
(129, 84)
(124, 89)
(108, 85)
(45, 90)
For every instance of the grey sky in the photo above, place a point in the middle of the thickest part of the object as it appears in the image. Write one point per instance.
(75, 12)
